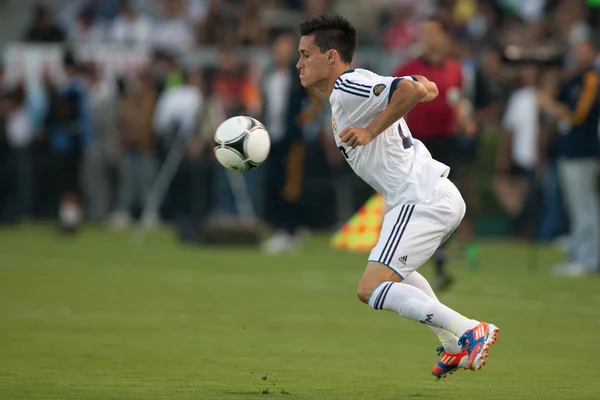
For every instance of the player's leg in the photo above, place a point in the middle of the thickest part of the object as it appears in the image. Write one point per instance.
(448, 340)
(452, 356)
(410, 236)
(381, 289)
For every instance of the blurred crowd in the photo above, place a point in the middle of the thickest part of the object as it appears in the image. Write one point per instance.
(87, 145)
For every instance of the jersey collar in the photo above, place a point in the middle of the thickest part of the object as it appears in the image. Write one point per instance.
(348, 71)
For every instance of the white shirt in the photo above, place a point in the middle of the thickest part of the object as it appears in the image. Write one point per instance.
(277, 88)
(394, 164)
(521, 119)
(178, 106)
(172, 34)
(137, 31)
(18, 129)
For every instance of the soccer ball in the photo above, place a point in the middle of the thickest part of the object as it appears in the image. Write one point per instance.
(242, 144)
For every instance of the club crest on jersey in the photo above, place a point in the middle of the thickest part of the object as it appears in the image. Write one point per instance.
(378, 89)
(334, 124)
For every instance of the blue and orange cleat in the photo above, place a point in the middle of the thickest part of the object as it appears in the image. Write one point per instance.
(475, 342)
(449, 362)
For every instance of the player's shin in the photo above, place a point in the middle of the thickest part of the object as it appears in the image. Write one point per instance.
(413, 303)
(448, 340)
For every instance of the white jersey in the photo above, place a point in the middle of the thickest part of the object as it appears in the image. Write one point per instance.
(394, 164)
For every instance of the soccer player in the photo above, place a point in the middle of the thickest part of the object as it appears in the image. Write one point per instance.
(424, 206)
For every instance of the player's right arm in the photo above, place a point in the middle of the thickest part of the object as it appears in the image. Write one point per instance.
(379, 102)
(431, 87)
(408, 94)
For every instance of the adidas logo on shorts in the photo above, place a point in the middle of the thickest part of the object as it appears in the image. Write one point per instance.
(403, 259)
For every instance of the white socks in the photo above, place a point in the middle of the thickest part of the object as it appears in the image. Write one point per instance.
(448, 340)
(413, 303)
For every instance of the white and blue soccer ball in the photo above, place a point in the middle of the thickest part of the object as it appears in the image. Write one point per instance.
(242, 144)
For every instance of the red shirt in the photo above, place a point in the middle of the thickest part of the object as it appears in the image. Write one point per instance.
(435, 118)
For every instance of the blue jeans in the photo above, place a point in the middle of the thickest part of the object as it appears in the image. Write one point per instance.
(552, 217)
(579, 188)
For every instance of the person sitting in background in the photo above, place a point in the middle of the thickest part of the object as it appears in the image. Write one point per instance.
(578, 111)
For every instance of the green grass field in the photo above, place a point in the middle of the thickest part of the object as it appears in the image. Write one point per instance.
(94, 318)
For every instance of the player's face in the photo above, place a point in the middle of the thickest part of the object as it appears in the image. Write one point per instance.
(312, 65)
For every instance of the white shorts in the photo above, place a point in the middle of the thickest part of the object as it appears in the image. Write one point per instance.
(411, 233)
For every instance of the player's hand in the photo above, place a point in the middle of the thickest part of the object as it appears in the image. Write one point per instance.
(355, 137)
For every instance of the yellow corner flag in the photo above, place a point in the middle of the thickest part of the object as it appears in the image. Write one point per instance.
(361, 232)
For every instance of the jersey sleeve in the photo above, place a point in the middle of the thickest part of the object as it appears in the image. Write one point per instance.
(364, 97)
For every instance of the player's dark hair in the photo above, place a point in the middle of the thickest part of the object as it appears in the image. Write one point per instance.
(331, 32)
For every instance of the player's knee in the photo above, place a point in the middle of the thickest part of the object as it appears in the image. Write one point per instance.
(375, 274)
(366, 287)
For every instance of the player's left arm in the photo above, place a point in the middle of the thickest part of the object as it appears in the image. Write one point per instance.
(407, 94)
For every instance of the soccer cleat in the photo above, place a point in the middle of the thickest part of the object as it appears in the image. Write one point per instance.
(449, 362)
(476, 342)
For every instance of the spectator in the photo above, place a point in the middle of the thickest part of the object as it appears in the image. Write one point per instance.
(578, 109)
(231, 95)
(68, 131)
(43, 28)
(251, 31)
(102, 10)
(437, 123)
(20, 135)
(85, 30)
(130, 27)
(172, 31)
(6, 178)
(491, 89)
(100, 157)
(283, 101)
(402, 32)
(139, 164)
(176, 122)
(553, 220)
(219, 26)
(519, 151)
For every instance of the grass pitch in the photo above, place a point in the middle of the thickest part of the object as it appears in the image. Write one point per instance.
(93, 318)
